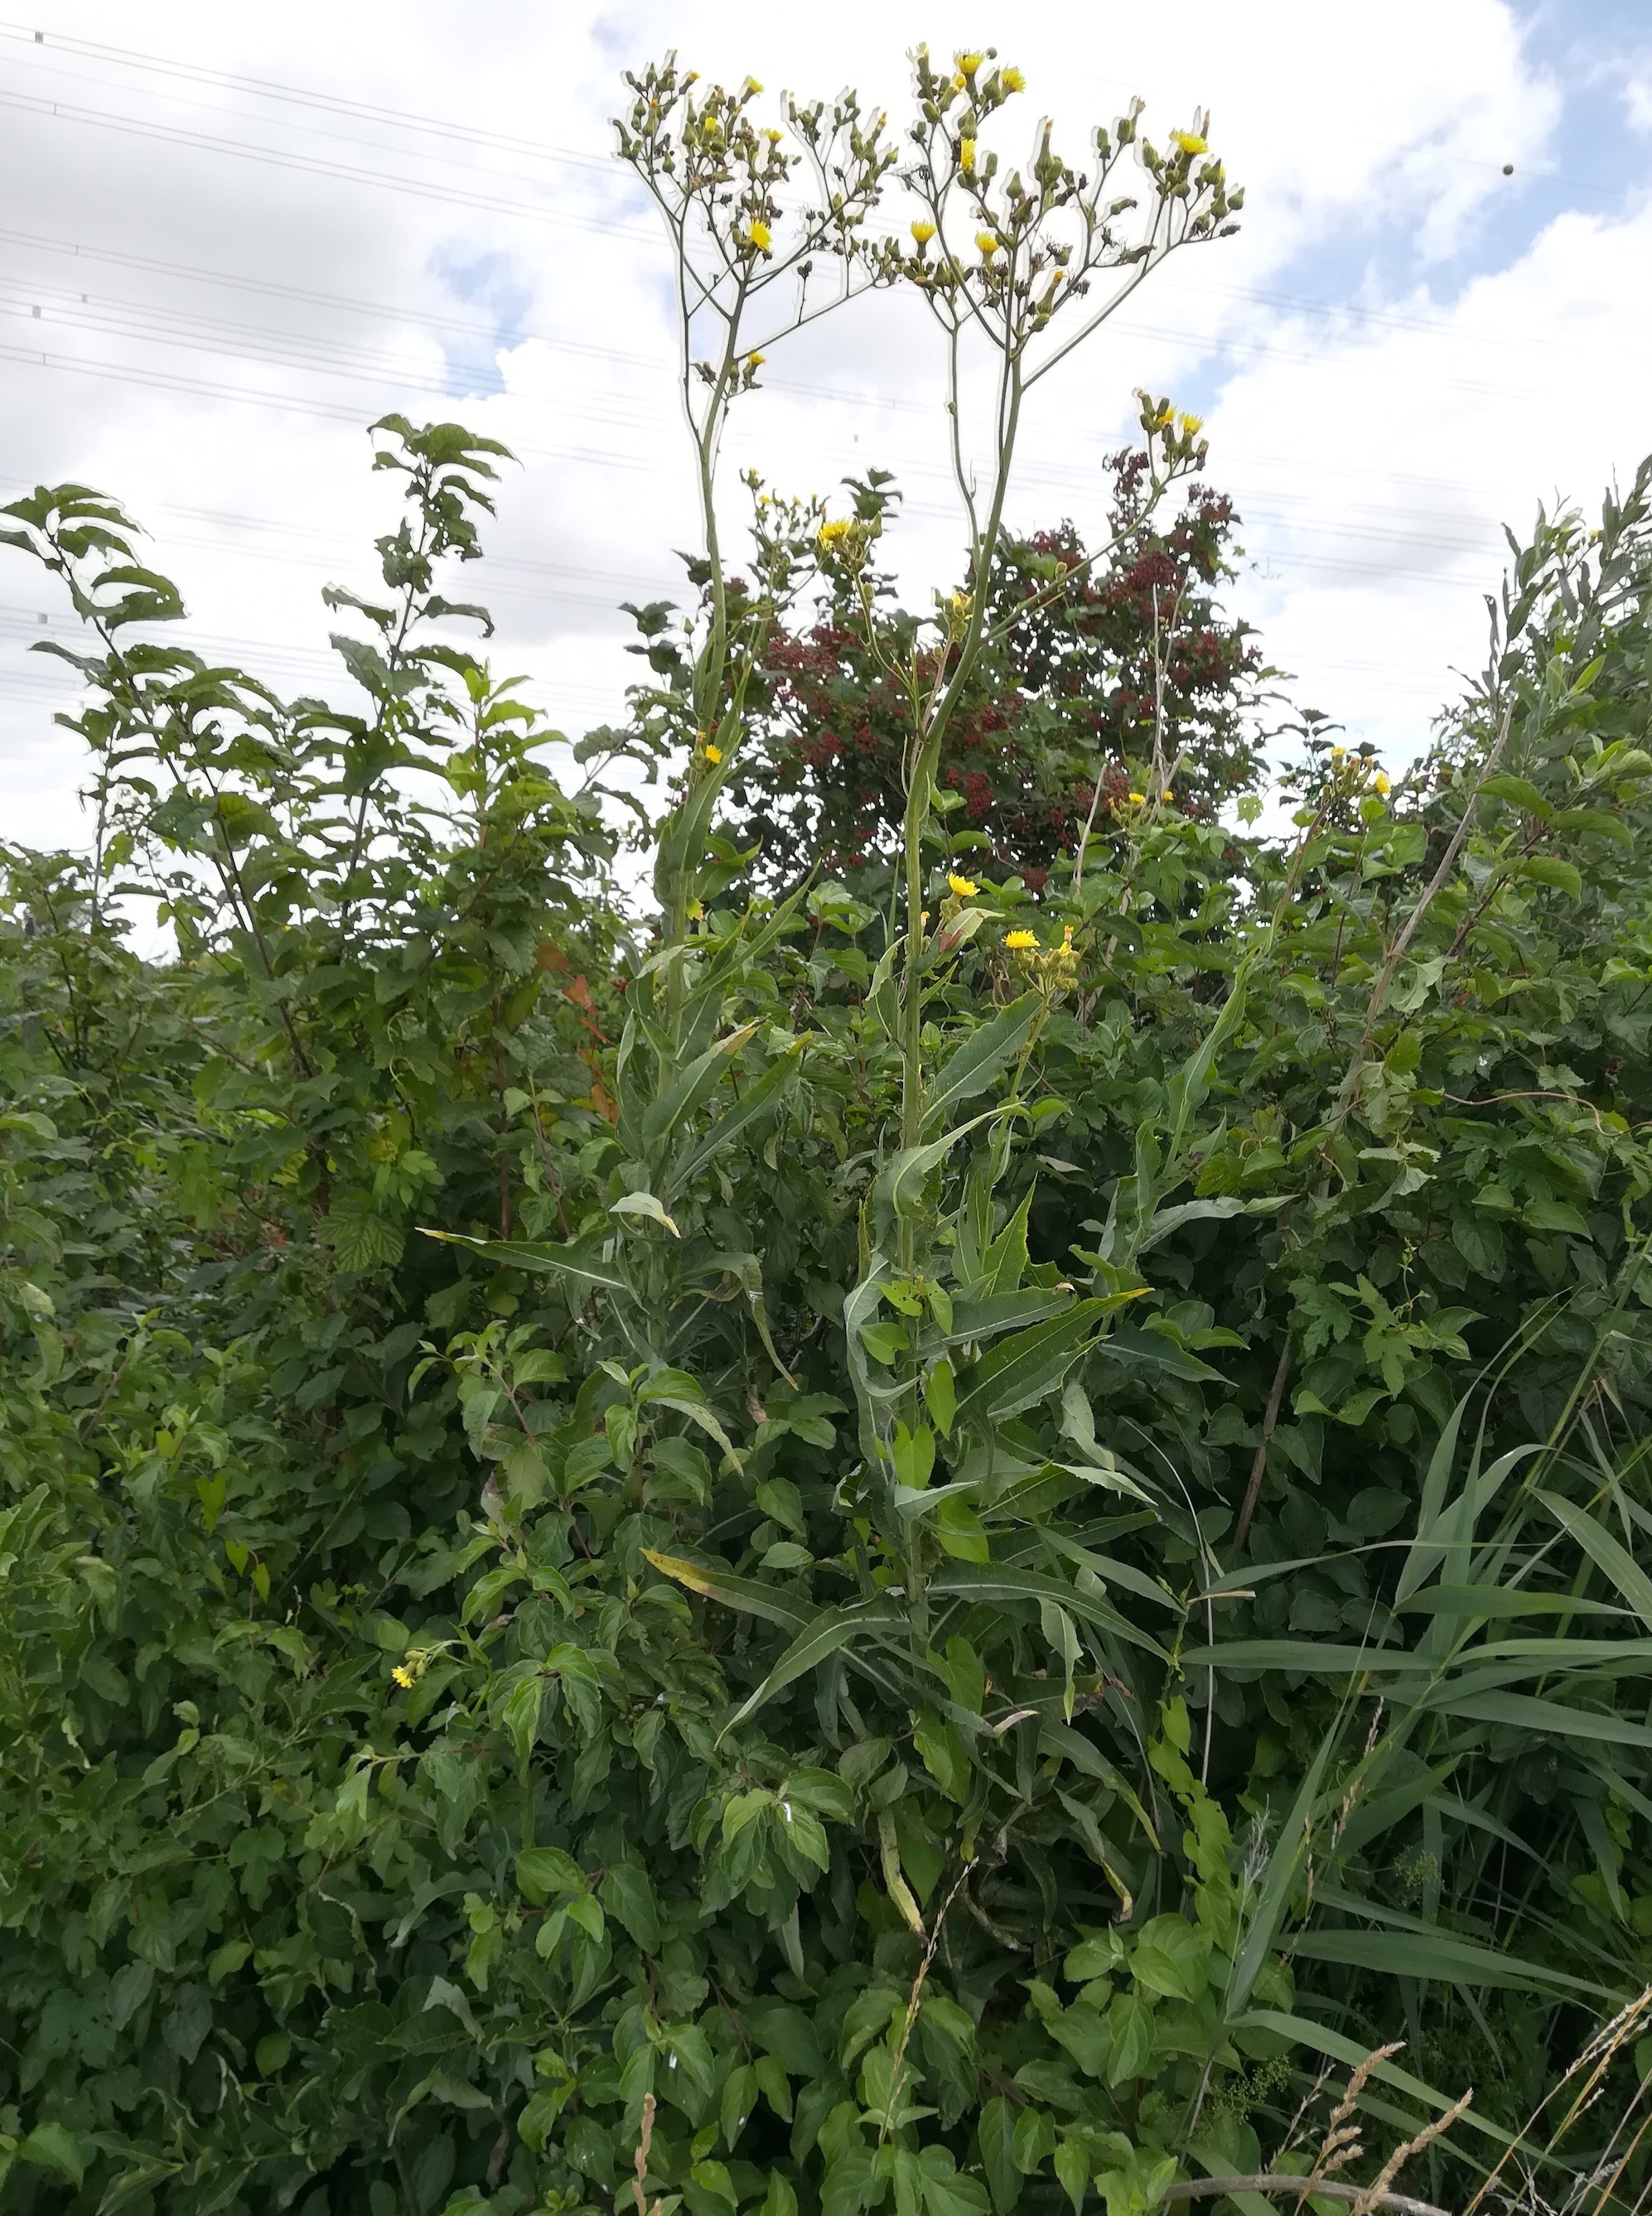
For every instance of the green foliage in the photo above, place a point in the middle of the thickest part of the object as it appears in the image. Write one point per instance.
(1121, 675)
(795, 1556)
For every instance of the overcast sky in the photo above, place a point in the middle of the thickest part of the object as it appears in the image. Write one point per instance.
(233, 236)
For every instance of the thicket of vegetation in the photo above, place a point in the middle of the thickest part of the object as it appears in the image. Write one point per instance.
(941, 1521)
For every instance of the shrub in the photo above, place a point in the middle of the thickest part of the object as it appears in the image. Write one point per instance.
(788, 1556)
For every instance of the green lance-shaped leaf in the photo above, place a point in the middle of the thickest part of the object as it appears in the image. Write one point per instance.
(1631, 1581)
(1527, 1711)
(1445, 1532)
(691, 1091)
(899, 1190)
(1354, 2054)
(582, 1261)
(1424, 1555)
(1152, 1350)
(1374, 1816)
(1021, 1371)
(744, 1594)
(754, 1102)
(1317, 1657)
(832, 1629)
(1484, 1603)
(1285, 1861)
(986, 1051)
(1002, 1312)
(1168, 1219)
(747, 1270)
(860, 1306)
(683, 838)
(740, 954)
(1186, 1090)
(981, 1583)
(883, 995)
(1441, 1955)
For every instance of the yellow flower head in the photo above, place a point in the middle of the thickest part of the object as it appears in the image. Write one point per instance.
(1137, 799)
(923, 233)
(759, 235)
(1337, 752)
(966, 157)
(1189, 142)
(834, 533)
(1012, 80)
(968, 63)
(713, 754)
(965, 888)
(988, 243)
(1021, 942)
(1190, 424)
(773, 137)
(1382, 785)
(750, 88)
(403, 1678)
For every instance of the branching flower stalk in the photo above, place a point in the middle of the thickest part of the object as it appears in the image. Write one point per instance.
(1054, 252)
(724, 188)
(1044, 240)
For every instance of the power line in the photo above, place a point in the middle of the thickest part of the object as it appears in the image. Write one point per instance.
(502, 334)
(1393, 319)
(250, 343)
(340, 172)
(34, 358)
(247, 343)
(513, 335)
(469, 134)
(399, 119)
(1065, 480)
(290, 346)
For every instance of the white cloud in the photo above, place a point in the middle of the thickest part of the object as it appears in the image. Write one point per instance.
(1411, 443)
(1373, 456)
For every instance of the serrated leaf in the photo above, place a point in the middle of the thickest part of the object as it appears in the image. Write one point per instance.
(973, 1065)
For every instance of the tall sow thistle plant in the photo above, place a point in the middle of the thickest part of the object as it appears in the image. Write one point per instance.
(930, 1692)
